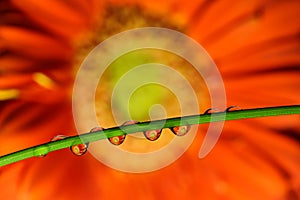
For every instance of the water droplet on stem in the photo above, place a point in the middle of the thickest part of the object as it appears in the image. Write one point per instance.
(152, 135)
(95, 129)
(211, 111)
(58, 137)
(79, 149)
(181, 130)
(233, 108)
(41, 151)
(117, 140)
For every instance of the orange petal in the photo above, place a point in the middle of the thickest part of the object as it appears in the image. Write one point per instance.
(57, 16)
(33, 44)
(13, 63)
(269, 89)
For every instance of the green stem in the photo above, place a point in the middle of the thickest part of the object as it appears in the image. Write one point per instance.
(149, 125)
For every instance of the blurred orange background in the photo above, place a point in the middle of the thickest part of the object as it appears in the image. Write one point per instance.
(256, 46)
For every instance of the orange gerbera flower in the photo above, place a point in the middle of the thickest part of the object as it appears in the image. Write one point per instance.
(255, 45)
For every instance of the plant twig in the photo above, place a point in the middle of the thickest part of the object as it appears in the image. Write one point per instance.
(45, 148)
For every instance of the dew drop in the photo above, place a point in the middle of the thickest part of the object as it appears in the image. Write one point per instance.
(95, 129)
(211, 110)
(130, 122)
(181, 130)
(152, 135)
(41, 151)
(233, 108)
(58, 137)
(79, 149)
(117, 140)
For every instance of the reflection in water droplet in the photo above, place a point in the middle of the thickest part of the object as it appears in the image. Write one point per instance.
(211, 110)
(117, 140)
(152, 135)
(181, 130)
(79, 149)
(233, 108)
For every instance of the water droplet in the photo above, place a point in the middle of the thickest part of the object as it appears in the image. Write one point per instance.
(58, 137)
(117, 140)
(41, 151)
(181, 130)
(79, 149)
(211, 110)
(95, 129)
(130, 122)
(233, 108)
(152, 135)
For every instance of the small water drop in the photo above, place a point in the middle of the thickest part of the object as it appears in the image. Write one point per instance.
(117, 140)
(211, 110)
(79, 149)
(181, 130)
(41, 151)
(233, 108)
(58, 137)
(130, 122)
(95, 129)
(152, 135)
